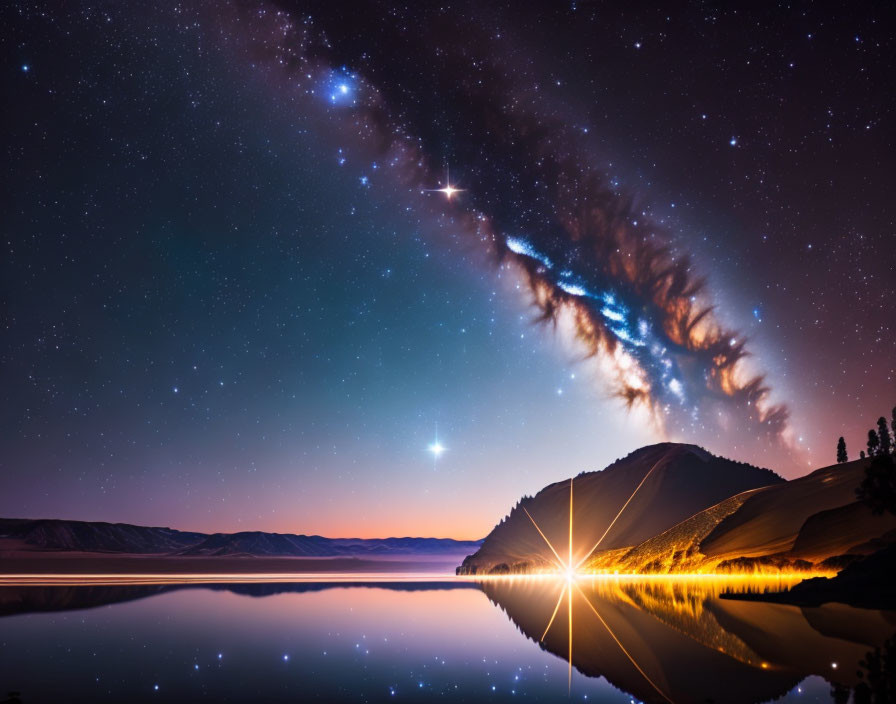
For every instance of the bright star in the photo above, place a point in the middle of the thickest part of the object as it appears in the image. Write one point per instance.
(449, 191)
(436, 449)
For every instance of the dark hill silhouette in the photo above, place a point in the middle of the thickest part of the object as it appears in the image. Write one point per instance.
(84, 536)
(678, 481)
(288, 545)
(62, 536)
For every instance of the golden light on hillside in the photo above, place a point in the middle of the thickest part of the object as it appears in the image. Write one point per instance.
(672, 593)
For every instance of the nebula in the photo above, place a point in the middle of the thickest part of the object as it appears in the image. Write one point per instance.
(424, 89)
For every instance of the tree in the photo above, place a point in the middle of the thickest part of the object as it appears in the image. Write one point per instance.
(873, 443)
(883, 434)
(893, 425)
(841, 451)
(878, 488)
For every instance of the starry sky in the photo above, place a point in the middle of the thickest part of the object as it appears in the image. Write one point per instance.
(238, 291)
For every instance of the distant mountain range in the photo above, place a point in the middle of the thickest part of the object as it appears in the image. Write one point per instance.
(123, 538)
(688, 510)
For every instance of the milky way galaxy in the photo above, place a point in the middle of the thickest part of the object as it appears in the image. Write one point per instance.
(534, 196)
(376, 268)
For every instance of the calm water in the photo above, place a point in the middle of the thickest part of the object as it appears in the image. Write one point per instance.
(608, 641)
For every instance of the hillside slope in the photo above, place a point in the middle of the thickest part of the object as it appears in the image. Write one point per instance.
(811, 522)
(676, 481)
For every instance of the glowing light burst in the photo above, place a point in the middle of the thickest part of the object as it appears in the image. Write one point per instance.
(571, 573)
(437, 449)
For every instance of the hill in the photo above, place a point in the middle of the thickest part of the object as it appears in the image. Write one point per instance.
(813, 522)
(663, 484)
(43, 536)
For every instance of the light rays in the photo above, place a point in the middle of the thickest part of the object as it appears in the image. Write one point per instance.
(560, 562)
(571, 572)
(619, 643)
(553, 615)
(565, 566)
(612, 523)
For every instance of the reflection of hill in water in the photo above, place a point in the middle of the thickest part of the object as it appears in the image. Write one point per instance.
(675, 641)
(657, 639)
(32, 599)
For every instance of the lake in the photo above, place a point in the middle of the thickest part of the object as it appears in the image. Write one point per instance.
(609, 639)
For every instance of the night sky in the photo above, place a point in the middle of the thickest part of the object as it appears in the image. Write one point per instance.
(233, 295)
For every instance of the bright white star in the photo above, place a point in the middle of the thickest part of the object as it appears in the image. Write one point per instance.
(436, 449)
(449, 191)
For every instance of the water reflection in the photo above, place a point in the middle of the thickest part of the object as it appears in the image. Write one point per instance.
(659, 640)
(16, 600)
(676, 640)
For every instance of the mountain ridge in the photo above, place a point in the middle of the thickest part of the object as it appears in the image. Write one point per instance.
(62, 535)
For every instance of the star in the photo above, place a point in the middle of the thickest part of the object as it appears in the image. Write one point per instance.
(449, 190)
(436, 448)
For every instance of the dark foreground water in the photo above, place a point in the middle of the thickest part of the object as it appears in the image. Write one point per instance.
(607, 640)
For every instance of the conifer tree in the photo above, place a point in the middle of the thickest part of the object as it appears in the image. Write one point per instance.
(878, 488)
(873, 443)
(883, 434)
(893, 425)
(841, 451)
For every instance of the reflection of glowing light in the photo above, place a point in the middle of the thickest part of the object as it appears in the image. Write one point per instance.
(619, 643)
